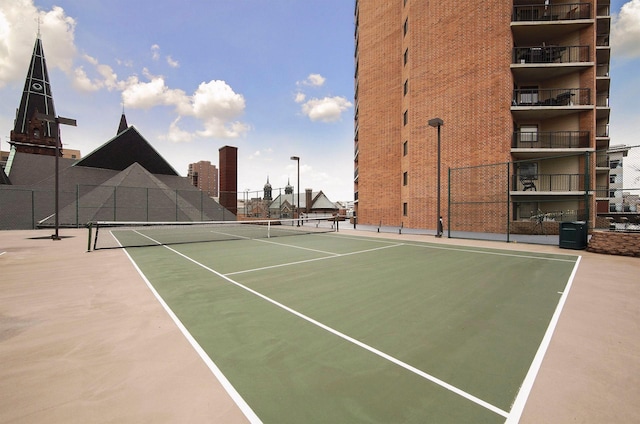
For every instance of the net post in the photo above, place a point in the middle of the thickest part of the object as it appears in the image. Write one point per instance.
(269, 229)
(89, 227)
(95, 240)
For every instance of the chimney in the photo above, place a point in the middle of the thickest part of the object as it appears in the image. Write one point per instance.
(307, 200)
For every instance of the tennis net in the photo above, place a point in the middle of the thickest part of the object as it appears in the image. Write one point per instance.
(114, 234)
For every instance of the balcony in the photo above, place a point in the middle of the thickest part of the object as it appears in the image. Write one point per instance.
(555, 12)
(572, 184)
(544, 103)
(545, 62)
(551, 140)
(559, 20)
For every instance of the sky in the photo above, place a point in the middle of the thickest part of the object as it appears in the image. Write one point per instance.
(272, 78)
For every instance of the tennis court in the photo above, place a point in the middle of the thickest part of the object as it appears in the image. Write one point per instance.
(334, 328)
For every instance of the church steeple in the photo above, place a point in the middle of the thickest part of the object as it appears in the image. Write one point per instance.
(31, 135)
(123, 123)
(267, 190)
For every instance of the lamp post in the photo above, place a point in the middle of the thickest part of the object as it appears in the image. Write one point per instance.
(297, 159)
(57, 120)
(437, 122)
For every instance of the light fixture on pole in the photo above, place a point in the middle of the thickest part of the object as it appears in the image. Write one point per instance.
(57, 120)
(297, 159)
(437, 122)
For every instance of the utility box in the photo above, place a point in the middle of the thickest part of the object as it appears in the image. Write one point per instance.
(573, 235)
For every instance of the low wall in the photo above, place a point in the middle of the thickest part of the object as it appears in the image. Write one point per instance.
(615, 243)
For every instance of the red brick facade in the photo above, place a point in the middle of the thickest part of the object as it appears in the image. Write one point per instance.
(228, 160)
(418, 60)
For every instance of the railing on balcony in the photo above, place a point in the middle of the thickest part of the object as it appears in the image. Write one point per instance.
(551, 54)
(602, 40)
(602, 191)
(551, 140)
(555, 12)
(602, 160)
(602, 70)
(602, 100)
(548, 183)
(603, 11)
(602, 131)
(551, 97)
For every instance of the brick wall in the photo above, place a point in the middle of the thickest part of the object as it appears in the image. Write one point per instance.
(615, 243)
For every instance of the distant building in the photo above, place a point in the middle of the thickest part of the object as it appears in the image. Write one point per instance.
(204, 175)
(125, 179)
(228, 160)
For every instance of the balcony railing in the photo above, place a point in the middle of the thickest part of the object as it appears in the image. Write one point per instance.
(551, 140)
(555, 12)
(548, 183)
(602, 40)
(602, 70)
(602, 160)
(602, 131)
(602, 100)
(551, 54)
(551, 97)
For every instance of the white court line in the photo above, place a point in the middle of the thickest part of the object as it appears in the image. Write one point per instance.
(527, 384)
(334, 256)
(343, 336)
(2, 253)
(481, 252)
(226, 384)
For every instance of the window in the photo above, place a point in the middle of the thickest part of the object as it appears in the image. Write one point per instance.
(406, 56)
(529, 169)
(405, 178)
(405, 148)
(406, 87)
(529, 133)
(405, 117)
(613, 164)
(528, 95)
(404, 209)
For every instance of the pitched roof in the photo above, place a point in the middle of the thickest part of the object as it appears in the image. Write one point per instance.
(123, 150)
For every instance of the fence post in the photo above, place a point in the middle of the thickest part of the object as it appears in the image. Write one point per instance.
(587, 186)
(448, 203)
(33, 210)
(77, 205)
(508, 203)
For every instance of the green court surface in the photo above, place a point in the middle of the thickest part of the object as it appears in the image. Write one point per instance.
(335, 329)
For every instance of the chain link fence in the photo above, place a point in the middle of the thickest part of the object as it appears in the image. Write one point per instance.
(28, 209)
(526, 200)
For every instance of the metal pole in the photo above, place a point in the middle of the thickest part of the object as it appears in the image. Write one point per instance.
(439, 223)
(57, 195)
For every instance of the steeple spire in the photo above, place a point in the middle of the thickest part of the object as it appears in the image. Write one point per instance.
(123, 122)
(30, 135)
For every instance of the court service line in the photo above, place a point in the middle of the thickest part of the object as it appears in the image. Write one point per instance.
(226, 384)
(527, 384)
(350, 339)
(334, 256)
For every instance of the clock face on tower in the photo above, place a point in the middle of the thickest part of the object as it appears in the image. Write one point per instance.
(37, 86)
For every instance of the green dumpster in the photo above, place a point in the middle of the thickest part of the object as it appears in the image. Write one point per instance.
(573, 235)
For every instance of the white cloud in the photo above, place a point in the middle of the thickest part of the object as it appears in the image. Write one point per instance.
(172, 63)
(300, 97)
(18, 26)
(315, 80)
(327, 109)
(625, 31)
(155, 52)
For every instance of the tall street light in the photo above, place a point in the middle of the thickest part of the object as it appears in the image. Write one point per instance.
(297, 159)
(57, 120)
(437, 122)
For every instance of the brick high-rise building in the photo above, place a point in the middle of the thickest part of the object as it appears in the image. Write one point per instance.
(512, 81)
(204, 175)
(228, 161)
